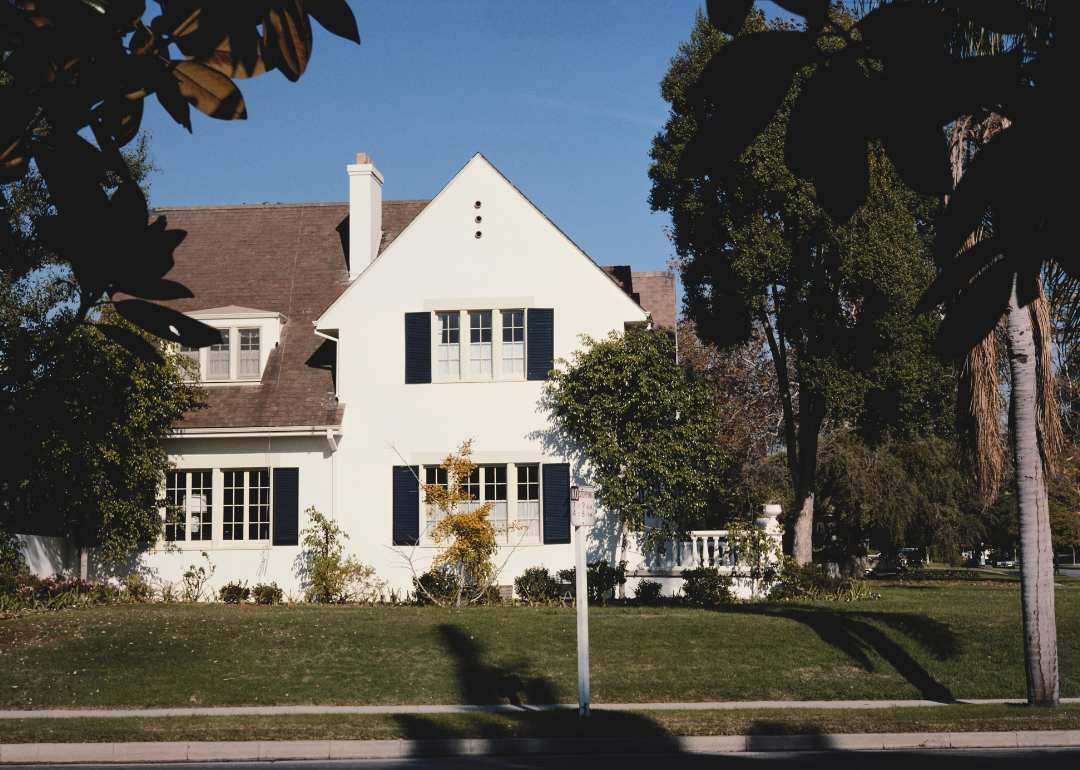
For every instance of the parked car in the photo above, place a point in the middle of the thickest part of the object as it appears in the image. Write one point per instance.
(1003, 560)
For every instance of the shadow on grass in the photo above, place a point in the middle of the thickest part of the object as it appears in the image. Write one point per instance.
(483, 684)
(856, 635)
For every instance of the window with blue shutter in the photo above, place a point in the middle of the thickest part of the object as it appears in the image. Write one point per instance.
(286, 506)
(417, 348)
(406, 530)
(541, 342)
(556, 481)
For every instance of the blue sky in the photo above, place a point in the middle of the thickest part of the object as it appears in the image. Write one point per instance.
(562, 97)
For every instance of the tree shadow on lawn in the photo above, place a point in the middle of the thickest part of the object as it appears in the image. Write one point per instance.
(855, 635)
(483, 684)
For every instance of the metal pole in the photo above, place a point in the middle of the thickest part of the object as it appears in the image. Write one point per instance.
(582, 626)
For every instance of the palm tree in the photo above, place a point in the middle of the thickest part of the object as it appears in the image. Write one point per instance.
(1034, 429)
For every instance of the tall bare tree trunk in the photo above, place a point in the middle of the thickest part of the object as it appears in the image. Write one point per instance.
(1036, 553)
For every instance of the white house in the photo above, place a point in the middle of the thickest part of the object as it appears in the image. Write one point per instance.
(361, 344)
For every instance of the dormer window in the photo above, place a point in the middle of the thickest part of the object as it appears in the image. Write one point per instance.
(249, 353)
(217, 360)
(248, 336)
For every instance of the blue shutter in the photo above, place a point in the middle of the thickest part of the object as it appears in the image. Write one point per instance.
(541, 341)
(406, 505)
(556, 481)
(286, 506)
(417, 348)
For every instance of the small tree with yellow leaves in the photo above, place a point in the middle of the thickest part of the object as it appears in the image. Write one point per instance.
(467, 537)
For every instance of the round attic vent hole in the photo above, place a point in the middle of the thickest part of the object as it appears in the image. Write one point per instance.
(479, 219)
(479, 234)
(476, 205)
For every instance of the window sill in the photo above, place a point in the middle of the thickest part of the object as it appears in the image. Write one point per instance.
(211, 545)
(215, 383)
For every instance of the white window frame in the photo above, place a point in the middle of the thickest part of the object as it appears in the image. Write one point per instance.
(466, 349)
(217, 509)
(511, 537)
(194, 507)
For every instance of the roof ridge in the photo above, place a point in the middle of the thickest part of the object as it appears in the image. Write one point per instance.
(249, 206)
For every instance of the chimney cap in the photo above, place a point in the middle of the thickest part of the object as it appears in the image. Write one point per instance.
(363, 159)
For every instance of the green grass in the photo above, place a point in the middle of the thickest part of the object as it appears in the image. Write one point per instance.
(561, 724)
(927, 640)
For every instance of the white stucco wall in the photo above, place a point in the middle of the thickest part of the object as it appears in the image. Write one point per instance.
(521, 261)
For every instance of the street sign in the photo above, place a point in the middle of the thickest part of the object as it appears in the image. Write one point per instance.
(582, 506)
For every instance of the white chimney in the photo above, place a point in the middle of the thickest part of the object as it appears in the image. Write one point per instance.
(365, 213)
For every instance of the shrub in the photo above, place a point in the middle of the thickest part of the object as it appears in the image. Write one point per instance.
(266, 594)
(195, 578)
(536, 585)
(359, 583)
(705, 587)
(436, 586)
(234, 593)
(648, 592)
(136, 589)
(600, 579)
(804, 581)
(321, 567)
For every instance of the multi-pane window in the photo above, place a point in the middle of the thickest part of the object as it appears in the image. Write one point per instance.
(449, 345)
(434, 476)
(189, 495)
(249, 353)
(528, 501)
(176, 502)
(246, 502)
(217, 360)
(513, 349)
(516, 519)
(480, 344)
(190, 360)
(488, 484)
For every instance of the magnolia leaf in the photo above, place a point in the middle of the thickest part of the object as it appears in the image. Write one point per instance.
(989, 175)
(236, 56)
(743, 105)
(167, 323)
(128, 206)
(335, 16)
(152, 288)
(121, 118)
(210, 91)
(170, 97)
(957, 274)
(977, 310)
(827, 137)
(287, 38)
(728, 15)
(132, 342)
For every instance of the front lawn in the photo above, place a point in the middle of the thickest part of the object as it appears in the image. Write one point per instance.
(926, 640)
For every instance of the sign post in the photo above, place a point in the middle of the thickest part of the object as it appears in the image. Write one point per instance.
(582, 514)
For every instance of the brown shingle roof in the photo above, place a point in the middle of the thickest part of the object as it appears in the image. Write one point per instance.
(285, 258)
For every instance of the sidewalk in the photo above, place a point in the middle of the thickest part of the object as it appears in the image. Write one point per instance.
(502, 709)
(83, 753)
(231, 751)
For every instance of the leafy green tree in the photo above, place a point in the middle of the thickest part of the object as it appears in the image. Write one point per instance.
(647, 427)
(90, 459)
(759, 255)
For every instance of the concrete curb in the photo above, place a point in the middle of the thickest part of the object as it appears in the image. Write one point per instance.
(82, 753)
(227, 711)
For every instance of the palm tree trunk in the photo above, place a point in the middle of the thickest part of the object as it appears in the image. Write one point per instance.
(1036, 565)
